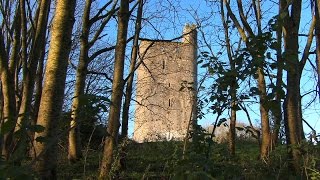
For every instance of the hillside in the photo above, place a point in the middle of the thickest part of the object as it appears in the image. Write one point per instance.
(163, 160)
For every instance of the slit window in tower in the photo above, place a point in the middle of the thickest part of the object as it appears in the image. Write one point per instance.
(169, 103)
(169, 84)
(163, 64)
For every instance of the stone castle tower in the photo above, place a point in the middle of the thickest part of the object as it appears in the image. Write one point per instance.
(166, 88)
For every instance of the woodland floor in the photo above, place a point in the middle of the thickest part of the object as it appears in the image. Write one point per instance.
(163, 160)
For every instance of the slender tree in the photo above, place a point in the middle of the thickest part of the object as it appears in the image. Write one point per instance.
(8, 83)
(317, 33)
(74, 152)
(134, 55)
(53, 90)
(9, 103)
(258, 56)
(277, 109)
(291, 17)
(233, 86)
(117, 88)
(86, 44)
(38, 46)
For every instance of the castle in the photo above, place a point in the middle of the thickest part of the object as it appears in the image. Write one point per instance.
(166, 88)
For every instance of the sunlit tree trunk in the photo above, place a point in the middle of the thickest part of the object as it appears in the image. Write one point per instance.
(74, 152)
(16, 43)
(134, 55)
(9, 103)
(14, 57)
(233, 86)
(53, 90)
(117, 88)
(8, 70)
(232, 128)
(265, 142)
(38, 46)
(291, 29)
(257, 56)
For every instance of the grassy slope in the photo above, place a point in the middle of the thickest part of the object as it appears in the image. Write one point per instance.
(162, 160)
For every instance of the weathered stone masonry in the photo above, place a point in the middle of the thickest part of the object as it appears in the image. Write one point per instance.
(164, 108)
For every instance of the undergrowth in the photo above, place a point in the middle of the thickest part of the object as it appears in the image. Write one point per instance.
(164, 160)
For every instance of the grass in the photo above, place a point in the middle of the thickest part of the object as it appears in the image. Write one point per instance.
(163, 160)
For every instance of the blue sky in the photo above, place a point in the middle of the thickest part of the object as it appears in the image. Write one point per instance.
(165, 20)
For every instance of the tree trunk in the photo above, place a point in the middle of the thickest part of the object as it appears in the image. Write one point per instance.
(276, 110)
(134, 55)
(232, 128)
(53, 91)
(317, 32)
(74, 152)
(9, 103)
(265, 127)
(117, 87)
(291, 29)
(38, 46)
(38, 88)
(233, 86)
(11, 70)
(16, 43)
(257, 55)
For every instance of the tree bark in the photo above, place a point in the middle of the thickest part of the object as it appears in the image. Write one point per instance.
(257, 56)
(265, 141)
(317, 32)
(134, 55)
(117, 87)
(276, 110)
(291, 29)
(9, 103)
(74, 153)
(53, 90)
(233, 86)
(38, 46)
(11, 70)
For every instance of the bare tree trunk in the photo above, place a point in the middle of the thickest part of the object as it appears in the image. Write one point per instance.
(9, 103)
(291, 28)
(317, 32)
(38, 46)
(16, 43)
(117, 87)
(276, 110)
(74, 152)
(233, 86)
(257, 55)
(11, 70)
(38, 88)
(8, 120)
(232, 128)
(53, 90)
(265, 142)
(134, 55)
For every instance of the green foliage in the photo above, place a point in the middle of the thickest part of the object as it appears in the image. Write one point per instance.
(8, 170)
(18, 165)
(311, 160)
(163, 160)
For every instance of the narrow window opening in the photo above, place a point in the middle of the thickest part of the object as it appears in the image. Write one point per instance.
(163, 64)
(169, 103)
(169, 84)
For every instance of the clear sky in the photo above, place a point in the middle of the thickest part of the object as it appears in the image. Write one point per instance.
(165, 20)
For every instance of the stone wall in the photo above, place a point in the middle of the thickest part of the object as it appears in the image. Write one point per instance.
(166, 83)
